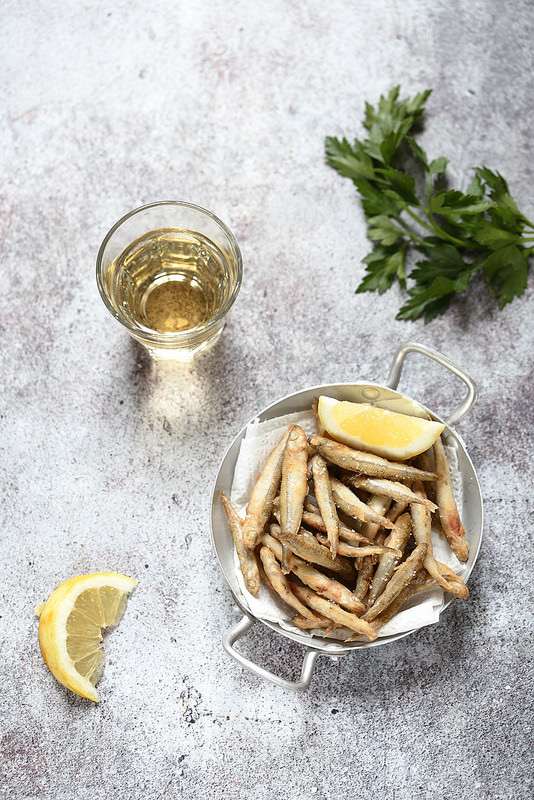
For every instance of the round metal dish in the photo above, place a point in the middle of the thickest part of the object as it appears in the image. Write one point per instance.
(470, 509)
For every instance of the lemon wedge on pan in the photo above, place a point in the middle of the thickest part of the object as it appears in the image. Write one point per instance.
(377, 430)
(71, 623)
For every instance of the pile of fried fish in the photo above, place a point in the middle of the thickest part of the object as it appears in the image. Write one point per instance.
(344, 536)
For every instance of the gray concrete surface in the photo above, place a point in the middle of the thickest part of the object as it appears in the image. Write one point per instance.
(108, 459)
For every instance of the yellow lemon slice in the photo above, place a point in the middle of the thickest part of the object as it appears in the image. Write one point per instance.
(70, 628)
(382, 432)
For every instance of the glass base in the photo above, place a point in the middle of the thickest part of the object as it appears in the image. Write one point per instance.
(183, 354)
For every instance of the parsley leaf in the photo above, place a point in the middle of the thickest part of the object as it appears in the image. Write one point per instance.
(384, 264)
(506, 272)
(434, 299)
(457, 233)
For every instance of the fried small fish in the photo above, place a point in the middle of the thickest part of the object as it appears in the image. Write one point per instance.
(261, 500)
(372, 531)
(305, 624)
(419, 583)
(247, 558)
(281, 585)
(401, 578)
(361, 551)
(318, 581)
(333, 611)
(421, 527)
(325, 501)
(367, 463)
(350, 504)
(394, 489)
(388, 561)
(306, 546)
(294, 485)
(451, 524)
(315, 520)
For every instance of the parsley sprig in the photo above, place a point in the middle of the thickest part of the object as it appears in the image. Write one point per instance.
(409, 207)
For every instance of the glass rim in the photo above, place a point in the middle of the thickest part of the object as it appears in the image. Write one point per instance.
(148, 334)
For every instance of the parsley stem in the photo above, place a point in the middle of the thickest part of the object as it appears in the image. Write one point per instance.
(418, 219)
(477, 264)
(449, 237)
(470, 245)
(433, 227)
(409, 230)
(443, 234)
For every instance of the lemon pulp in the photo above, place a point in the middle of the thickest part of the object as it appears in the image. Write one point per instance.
(94, 609)
(378, 430)
(378, 426)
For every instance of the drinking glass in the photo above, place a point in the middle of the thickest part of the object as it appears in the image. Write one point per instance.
(170, 272)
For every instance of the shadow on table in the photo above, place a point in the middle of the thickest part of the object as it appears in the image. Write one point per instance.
(211, 378)
(434, 657)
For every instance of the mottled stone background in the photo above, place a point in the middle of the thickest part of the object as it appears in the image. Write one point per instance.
(108, 460)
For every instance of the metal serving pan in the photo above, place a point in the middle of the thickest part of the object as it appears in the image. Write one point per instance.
(470, 508)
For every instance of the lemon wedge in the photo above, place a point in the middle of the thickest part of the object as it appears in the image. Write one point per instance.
(71, 623)
(377, 430)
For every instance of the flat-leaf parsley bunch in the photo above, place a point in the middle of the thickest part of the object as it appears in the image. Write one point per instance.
(456, 233)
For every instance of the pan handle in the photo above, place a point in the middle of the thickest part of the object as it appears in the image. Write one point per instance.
(308, 663)
(396, 370)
